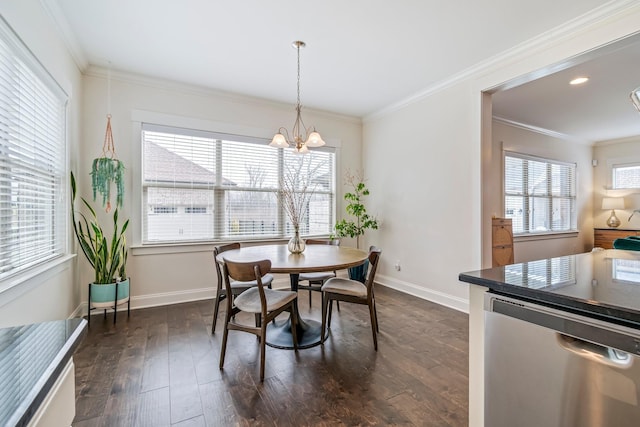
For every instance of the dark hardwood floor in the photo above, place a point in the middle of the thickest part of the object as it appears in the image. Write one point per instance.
(160, 368)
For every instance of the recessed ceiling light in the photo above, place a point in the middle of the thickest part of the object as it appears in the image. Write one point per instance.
(579, 80)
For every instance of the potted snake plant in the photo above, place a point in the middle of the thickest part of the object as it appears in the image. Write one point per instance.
(107, 255)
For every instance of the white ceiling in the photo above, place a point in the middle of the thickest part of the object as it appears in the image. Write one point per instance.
(598, 110)
(361, 55)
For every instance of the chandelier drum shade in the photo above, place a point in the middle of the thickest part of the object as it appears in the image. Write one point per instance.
(300, 137)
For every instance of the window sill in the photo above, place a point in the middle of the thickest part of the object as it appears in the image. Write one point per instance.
(545, 236)
(15, 286)
(193, 247)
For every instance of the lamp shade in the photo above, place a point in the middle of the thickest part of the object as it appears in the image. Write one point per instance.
(314, 140)
(613, 203)
(279, 141)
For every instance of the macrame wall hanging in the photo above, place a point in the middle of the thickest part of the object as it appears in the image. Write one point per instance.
(107, 169)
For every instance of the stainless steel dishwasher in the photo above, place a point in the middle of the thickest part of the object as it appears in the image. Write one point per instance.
(546, 367)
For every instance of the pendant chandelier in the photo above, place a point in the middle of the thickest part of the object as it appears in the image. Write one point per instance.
(301, 142)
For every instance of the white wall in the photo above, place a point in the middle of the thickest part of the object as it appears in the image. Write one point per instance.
(423, 181)
(614, 152)
(506, 137)
(168, 274)
(53, 294)
(427, 155)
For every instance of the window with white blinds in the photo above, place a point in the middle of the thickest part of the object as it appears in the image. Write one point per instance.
(539, 194)
(626, 176)
(205, 186)
(32, 160)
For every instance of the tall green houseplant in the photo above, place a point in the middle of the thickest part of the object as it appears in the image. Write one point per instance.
(107, 256)
(362, 221)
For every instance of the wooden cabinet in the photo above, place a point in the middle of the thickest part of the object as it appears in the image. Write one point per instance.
(501, 241)
(604, 237)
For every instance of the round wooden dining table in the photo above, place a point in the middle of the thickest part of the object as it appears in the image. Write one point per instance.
(315, 258)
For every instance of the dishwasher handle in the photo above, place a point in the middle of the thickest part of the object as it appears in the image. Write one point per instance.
(589, 330)
(595, 352)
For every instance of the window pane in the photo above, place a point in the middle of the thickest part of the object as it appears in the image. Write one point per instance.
(562, 219)
(626, 176)
(539, 214)
(514, 175)
(562, 180)
(250, 214)
(537, 178)
(514, 209)
(169, 214)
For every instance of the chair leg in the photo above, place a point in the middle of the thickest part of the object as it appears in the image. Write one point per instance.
(224, 339)
(323, 328)
(372, 314)
(338, 305)
(310, 291)
(216, 308)
(375, 311)
(263, 349)
(329, 314)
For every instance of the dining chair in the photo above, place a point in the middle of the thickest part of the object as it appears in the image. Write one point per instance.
(237, 287)
(265, 304)
(354, 291)
(316, 279)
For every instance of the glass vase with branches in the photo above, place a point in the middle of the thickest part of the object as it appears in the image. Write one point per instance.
(297, 186)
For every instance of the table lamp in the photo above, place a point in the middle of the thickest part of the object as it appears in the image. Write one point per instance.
(613, 203)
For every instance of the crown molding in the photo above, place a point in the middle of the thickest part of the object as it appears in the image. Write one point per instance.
(543, 131)
(519, 52)
(52, 9)
(172, 85)
(627, 139)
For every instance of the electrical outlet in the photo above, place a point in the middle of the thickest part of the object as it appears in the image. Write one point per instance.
(397, 265)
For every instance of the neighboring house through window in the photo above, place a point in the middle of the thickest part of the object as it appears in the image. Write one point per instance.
(205, 186)
(539, 194)
(32, 160)
(625, 176)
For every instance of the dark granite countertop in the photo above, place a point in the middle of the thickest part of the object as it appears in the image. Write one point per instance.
(603, 284)
(31, 359)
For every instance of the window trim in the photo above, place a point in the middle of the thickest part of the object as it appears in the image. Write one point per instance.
(140, 117)
(544, 234)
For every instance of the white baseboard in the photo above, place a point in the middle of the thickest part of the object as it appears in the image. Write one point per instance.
(177, 297)
(159, 299)
(79, 311)
(441, 298)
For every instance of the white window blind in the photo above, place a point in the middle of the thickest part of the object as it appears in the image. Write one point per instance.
(539, 194)
(626, 176)
(203, 186)
(32, 160)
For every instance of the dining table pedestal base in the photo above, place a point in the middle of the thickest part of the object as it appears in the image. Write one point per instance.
(279, 334)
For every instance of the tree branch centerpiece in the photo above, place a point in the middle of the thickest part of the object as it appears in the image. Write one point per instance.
(296, 189)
